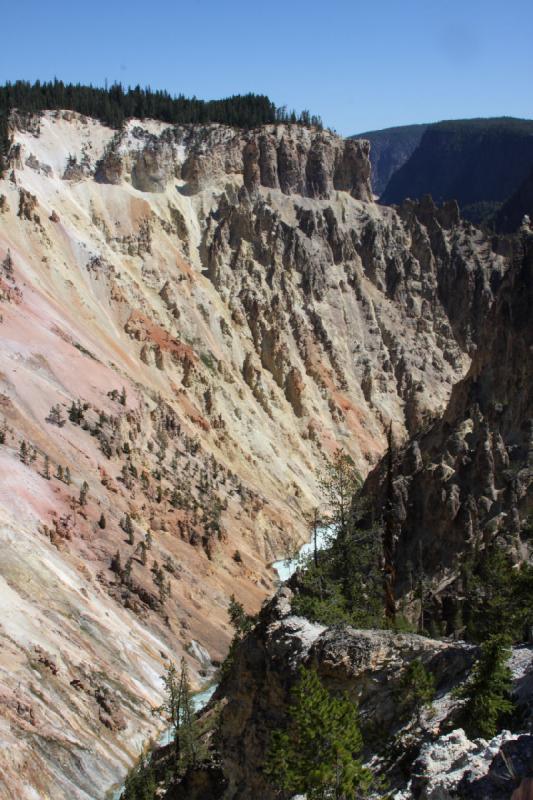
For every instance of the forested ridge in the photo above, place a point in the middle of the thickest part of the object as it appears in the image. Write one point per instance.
(115, 104)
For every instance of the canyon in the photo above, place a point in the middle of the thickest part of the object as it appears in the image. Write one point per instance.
(193, 319)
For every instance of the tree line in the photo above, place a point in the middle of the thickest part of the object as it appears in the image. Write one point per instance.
(115, 104)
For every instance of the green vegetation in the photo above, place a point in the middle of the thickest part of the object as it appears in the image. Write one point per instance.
(317, 753)
(344, 582)
(242, 623)
(178, 712)
(115, 104)
(188, 748)
(487, 690)
(497, 597)
(416, 689)
(140, 783)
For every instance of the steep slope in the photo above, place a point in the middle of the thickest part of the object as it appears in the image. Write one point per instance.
(464, 482)
(478, 162)
(390, 148)
(192, 317)
(469, 477)
(511, 214)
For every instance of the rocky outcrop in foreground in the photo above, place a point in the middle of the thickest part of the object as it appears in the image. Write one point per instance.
(367, 664)
(419, 756)
(455, 767)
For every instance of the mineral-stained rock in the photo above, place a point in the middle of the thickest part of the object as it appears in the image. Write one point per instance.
(218, 310)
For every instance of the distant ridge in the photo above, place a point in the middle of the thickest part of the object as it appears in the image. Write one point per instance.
(390, 149)
(478, 162)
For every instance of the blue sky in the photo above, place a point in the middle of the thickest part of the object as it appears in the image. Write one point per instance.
(360, 65)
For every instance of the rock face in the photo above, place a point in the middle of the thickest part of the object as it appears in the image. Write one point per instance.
(469, 477)
(453, 766)
(389, 150)
(192, 319)
(366, 664)
(292, 158)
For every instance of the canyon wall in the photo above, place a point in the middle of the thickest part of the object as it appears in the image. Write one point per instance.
(192, 319)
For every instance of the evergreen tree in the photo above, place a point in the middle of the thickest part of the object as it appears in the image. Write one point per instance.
(317, 754)
(497, 596)
(84, 491)
(389, 536)
(178, 711)
(23, 452)
(46, 467)
(142, 549)
(416, 689)
(127, 526)
(67, 476)
(126, 574)
(140, 783)
(102, 521)
(241, 622)
(338, 484)
(487, 690)
(116, 564)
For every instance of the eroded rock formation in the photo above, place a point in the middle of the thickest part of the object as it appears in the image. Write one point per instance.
(469, 477)
(192, 319)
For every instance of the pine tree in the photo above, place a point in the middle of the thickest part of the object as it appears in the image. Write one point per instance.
(317, 754)
(241, 622)
(389, 537)
(46, 468)
(178, 711)
(126, 574)
(497, 595)
(487, 690)
(67, 476)
(23, 452)
(84, 490)
(338, 484)
(142, 548)
(127, 526)
(116, 564)
(416, 689)
(55, 416)
(140, 783)
(102, 521)
(59, 472)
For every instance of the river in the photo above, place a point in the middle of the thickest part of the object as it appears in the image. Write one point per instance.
(285, 568)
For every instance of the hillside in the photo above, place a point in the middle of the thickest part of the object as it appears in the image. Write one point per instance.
(193, 318)
(511, 214)
(454, 493)
(478, 162)
(390, 148)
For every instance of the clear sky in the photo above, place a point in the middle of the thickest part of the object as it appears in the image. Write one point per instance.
(361, 65)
